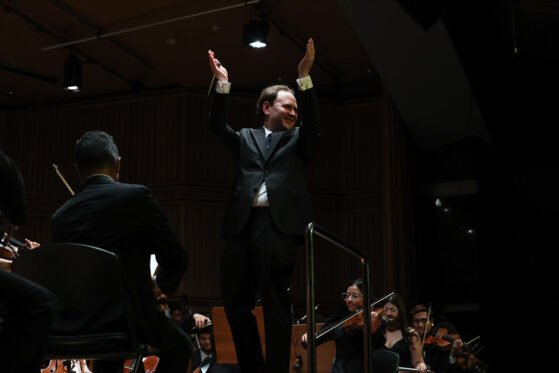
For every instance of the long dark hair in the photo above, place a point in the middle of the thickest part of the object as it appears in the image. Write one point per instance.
(343, 311)
(402, 320)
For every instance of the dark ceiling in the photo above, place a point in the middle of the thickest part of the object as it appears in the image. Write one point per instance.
(171, 54)
(162, 45)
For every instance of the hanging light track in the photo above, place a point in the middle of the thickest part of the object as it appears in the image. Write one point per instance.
(114, 33)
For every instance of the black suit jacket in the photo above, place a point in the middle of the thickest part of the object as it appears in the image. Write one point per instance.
(282, 167)
(197, 360)
(127, 220)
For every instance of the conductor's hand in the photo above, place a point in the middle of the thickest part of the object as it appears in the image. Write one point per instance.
(219, 71)
(307, 61)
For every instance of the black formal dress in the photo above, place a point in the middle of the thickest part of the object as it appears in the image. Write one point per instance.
(349, 348)
(402, 347)
(261, 245)
(127, 220)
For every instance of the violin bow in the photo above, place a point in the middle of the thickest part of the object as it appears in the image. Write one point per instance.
(425, 332)
(63, 179)
(406, 369)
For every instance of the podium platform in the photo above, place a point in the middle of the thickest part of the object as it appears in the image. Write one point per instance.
(225, 349)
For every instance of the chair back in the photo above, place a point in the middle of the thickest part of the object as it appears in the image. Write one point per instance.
(91, 319)
(66, 267)
(385, 361)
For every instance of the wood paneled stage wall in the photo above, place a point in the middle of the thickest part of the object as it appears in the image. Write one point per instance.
(358, 180)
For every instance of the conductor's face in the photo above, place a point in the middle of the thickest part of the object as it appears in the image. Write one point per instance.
(282, 113)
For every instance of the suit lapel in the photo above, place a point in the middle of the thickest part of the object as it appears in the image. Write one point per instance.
(259, 137)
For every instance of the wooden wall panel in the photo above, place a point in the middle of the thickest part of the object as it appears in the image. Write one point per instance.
(165, 144)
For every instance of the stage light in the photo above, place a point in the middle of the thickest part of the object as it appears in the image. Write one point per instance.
(72, 74)
(255, 34)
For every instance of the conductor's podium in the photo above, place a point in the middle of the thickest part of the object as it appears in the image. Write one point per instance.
(225, 349)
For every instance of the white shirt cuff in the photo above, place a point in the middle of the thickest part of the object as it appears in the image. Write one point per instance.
(305, 83)
(222, 87)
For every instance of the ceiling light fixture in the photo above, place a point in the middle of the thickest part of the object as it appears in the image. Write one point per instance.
(72, 74)
(255, 34)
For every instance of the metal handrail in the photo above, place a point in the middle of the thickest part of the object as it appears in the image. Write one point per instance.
(315, 230)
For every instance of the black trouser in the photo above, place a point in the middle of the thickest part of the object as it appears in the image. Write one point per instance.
(26, 313)
(260, 260)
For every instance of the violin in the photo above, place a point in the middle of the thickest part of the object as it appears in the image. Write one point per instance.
(150, 363)
(466, 358)
(10, 247)
(356, 322)
(442, 339)
(357, 314)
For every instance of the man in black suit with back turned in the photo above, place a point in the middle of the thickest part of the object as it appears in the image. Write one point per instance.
(267, 217)
(126, 219)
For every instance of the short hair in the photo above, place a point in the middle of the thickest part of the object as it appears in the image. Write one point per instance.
(421, 308)
(12, 191)
(270, 94)
(94, 150)
(207, 329)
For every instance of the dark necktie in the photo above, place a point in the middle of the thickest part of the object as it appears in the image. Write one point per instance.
(207, 360)
(268, 140)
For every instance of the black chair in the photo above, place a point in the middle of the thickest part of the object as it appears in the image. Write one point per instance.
(385, 361)
(92, 321)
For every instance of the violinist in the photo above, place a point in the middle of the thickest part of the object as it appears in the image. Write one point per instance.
(348, 337)
(26, 309)
(394, 334)
(436, 349)
(203, 358)
(443, 350)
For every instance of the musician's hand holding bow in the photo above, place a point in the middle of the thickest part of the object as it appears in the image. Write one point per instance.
(31, 244)
(421, 368)
(200, 320)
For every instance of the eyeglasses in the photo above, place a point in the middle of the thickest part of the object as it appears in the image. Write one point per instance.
(390, 309)
(353, 296)
(420, 321)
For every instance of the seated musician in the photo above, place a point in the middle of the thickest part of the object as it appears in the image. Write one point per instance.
(442, 343)
(348, 338)
(127, 219)
(436, 354)
(203, 358)
(394, 334)
(26, 309)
